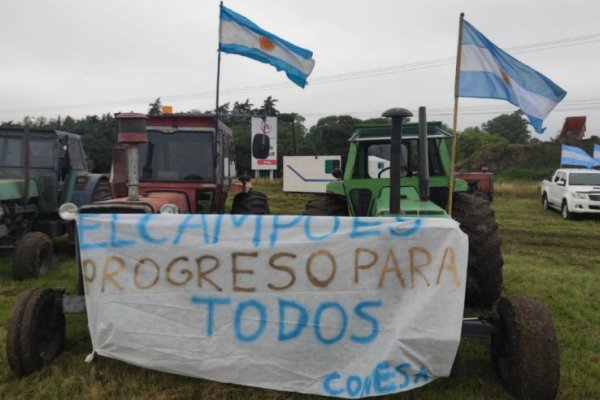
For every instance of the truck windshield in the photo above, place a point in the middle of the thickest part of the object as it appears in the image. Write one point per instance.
(182, 155)
(584, 179)
(41, 152)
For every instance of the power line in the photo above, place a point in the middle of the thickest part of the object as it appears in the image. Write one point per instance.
(322, 80)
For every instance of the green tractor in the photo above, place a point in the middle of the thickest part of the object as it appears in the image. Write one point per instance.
(39, 171)
(408, 175)
(404, 172)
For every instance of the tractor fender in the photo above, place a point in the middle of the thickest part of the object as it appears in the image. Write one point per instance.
(83, 190)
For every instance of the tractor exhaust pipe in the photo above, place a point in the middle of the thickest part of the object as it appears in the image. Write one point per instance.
(423, 155)
(397, 115)
(132, 132)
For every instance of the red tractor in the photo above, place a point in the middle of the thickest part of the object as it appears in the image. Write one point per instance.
(175, 163)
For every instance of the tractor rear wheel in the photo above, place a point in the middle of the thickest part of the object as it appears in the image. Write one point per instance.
(525, 352)
(484, 273)
(36, 330)
(34, 256)
(251, 202)
(327, 205)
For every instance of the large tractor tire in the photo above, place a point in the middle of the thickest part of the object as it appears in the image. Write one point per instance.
(36, 330)
(525, 352)
(251, 202)
(484, 273)
(34, 256)
(101, 191)
(327, 205)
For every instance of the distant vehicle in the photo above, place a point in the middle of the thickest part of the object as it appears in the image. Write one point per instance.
(572, 191)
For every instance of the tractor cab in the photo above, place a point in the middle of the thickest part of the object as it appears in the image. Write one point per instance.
(366, 180)
(169, 163)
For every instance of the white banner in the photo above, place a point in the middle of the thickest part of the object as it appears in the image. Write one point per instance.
(264, 143)
(345, 307)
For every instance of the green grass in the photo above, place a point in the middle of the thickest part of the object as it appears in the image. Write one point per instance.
(557, 261)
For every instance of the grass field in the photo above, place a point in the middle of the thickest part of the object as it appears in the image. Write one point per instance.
(557, 261)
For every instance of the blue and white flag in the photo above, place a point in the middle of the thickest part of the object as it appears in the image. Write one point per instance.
(597, 152)
(488, 72)
(571, 155)
(239, 35)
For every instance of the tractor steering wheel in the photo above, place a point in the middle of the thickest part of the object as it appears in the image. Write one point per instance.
(409, 172)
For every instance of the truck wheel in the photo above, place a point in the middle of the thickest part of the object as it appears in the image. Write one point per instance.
(484, 273)
(564, 211)
(327, 205)
(545, 205)
(34, 256)
(101, 191)
(525, 352)
(36, 330)
(250, 203)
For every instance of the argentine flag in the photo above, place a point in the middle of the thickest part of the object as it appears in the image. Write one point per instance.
(571, 155)
(488, 72)
(239, 35)
(597, 152)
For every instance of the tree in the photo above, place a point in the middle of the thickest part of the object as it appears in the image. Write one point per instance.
(243, 109)
(472, 139)
(511, 127)
(268, 108)
(155, 108)
(330, 135)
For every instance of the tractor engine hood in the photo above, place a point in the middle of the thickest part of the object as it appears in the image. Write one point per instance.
(411, 205)
(148, 203)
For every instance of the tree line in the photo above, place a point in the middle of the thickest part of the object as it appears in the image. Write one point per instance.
(328, 137)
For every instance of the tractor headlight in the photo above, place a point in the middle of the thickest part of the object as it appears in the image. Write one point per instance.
(169, 208)
(580, 196)
(67, 211)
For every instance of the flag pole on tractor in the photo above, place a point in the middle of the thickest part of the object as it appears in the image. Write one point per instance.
(217, 95)
(455, 117)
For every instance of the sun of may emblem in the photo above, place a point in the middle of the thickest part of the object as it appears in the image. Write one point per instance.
(505, 77)
(266, 44)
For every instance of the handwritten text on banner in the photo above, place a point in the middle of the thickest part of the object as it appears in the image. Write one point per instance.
(346, 307)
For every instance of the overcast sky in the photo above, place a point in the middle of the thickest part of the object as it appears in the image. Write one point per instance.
(82, 57)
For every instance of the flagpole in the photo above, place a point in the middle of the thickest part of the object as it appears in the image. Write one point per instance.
(217, 96)
(455, 117)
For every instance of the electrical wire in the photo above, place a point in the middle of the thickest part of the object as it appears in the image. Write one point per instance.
(327, 79)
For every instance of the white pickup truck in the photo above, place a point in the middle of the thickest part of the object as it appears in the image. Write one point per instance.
(572, 191)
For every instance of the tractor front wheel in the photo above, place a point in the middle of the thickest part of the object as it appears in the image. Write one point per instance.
(250, 203)
(327, 205)
(34, 256)
(525, 352)
(36, 330)
(484, 273)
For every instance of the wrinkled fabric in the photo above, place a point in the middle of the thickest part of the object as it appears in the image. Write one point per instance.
(340, 306)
